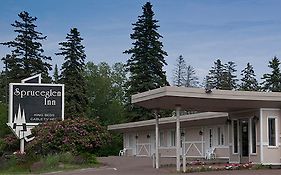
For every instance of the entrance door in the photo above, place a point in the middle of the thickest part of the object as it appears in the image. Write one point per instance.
(244, 141)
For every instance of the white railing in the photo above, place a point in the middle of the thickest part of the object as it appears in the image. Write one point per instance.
(143, 149)
(194, 144)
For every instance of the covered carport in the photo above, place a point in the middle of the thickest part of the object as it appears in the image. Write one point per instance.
(197, 99)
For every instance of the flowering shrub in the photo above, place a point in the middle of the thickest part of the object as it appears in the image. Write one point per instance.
(74, 135)
(9, 143)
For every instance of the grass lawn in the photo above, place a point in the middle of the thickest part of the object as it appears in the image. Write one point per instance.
(50, 163)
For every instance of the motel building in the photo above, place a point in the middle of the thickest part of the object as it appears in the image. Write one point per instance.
(232, 126)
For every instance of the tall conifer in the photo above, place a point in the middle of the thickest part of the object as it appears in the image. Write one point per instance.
(216, 75)
(248, 80)
(179, 72)
(27, 57)
(56, 74)
(229, 81)
(146, 64)
(272, 81)
(72, 74)
(191, 80)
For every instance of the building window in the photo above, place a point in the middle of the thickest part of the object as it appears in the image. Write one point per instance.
(272, 131)
(220, 136)
(173, 138)
(161, 139)
(254, 137)
(235, 136)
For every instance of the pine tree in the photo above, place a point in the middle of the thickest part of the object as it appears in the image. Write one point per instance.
(179, 72)
(272, 82)
(229, 81)
(15, 72)
(191, 79)
(216, 75)
(145, 66)
(56, 75)
(3, 87)
(27, 54)
(248, 80)
(72, 75)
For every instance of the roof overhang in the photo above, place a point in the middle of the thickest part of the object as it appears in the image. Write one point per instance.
(198, 100)
(167, 120)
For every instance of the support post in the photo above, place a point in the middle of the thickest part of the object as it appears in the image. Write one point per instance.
(22, 145)
(153, 160)
(178, 108)
(156, 140)
(184, 162)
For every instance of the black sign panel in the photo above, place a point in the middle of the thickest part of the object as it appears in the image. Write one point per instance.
(36, 102)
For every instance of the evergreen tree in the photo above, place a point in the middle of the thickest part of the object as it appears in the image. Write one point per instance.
(147, 60)
(179, 72)
(272, 82)
(72, 74)
(191, 79)
(229, 81)
(3, 87)
(56, 75)
(216, 75)
(27, 56)
(248, 80)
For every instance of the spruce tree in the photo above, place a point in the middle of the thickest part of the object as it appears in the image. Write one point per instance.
(56, 74)
(272, 81)
(179, 72)
(27, 57)
(14, 70)
(216, 75)
(248, 80)
(229, 81)
(145, 66)
(191, 80)
(72, 74)
(3, 87)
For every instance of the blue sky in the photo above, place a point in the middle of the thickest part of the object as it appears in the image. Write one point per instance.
(201, 30)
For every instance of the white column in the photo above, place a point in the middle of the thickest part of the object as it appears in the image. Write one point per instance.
(22, 145)
(178, 137)
(184, 163)
(157, 140)
(261, 137)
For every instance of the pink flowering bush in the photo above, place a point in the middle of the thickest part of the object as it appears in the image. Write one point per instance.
(71, 135)
(10, 143)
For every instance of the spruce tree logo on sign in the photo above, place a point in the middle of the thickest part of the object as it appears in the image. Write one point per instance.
(33, 103)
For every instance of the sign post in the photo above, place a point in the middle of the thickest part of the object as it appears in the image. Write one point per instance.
(32, 103)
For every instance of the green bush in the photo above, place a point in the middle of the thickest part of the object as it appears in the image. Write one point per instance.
(10, 143)
(76, 136)
(3, 120)
(113, 147)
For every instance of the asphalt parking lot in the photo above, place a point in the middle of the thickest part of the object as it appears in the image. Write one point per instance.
(143, 166)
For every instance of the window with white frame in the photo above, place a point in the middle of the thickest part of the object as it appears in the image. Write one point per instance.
(235, 136)
(272, 139)
(161, 139)
(220, 136)
(254, 136)
(172, 138)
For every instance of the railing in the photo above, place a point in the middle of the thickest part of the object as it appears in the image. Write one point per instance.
(195, 145)
(143, 149)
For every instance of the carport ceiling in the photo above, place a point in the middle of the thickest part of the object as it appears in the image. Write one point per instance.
(197, 99)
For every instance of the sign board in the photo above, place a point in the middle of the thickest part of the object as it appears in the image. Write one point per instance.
(34, 103)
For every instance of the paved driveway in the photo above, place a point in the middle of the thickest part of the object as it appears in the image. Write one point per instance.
(143, 166)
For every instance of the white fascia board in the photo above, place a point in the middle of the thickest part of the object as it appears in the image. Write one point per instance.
(184, 118)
